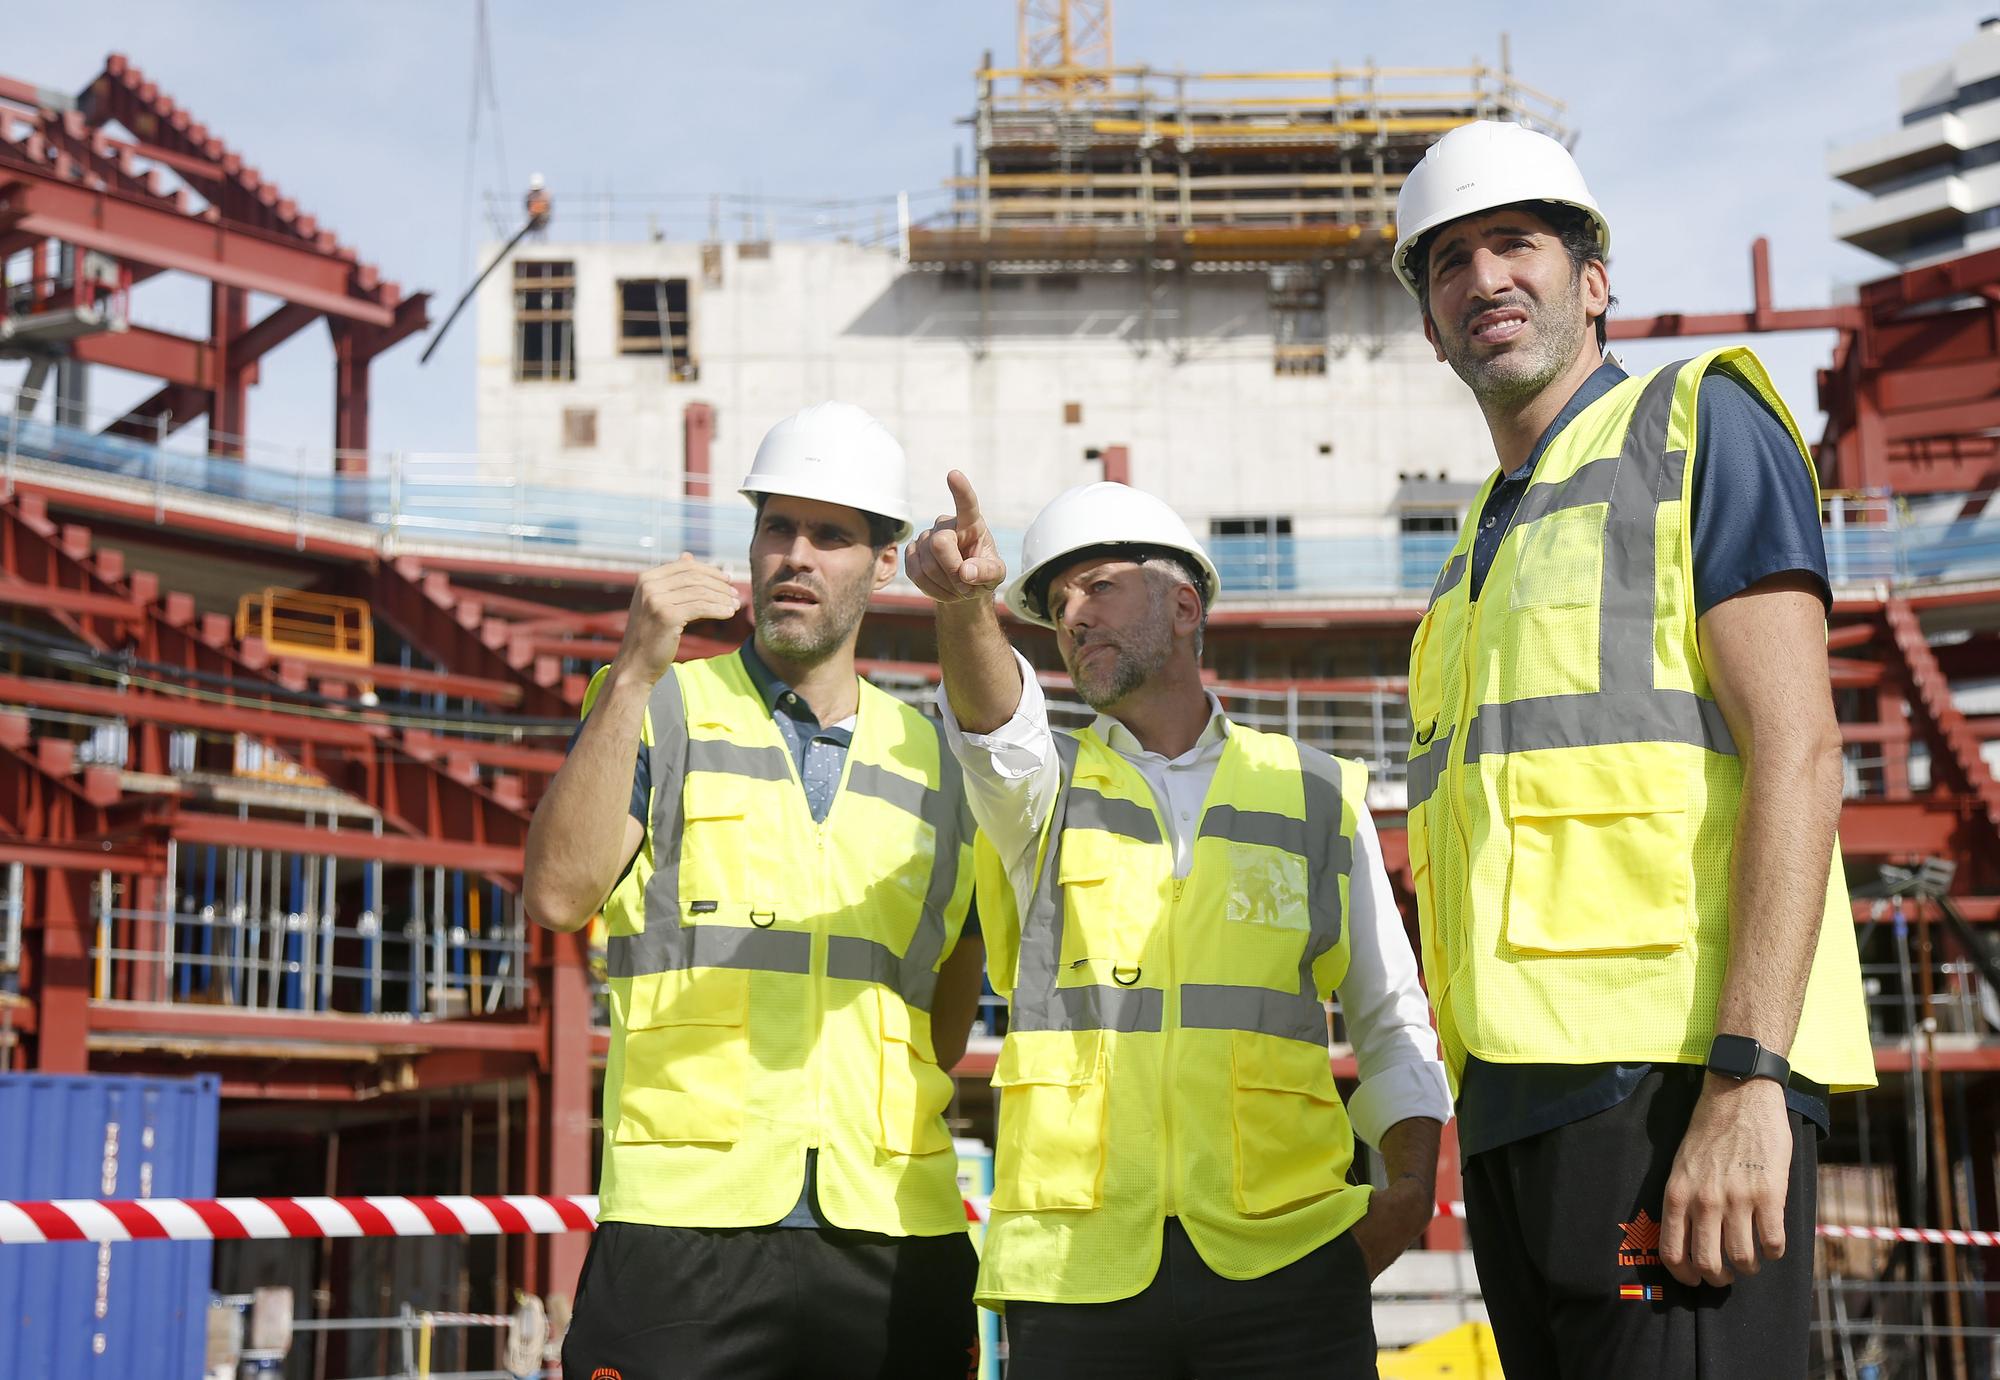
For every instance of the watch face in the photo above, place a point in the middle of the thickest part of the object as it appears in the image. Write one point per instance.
(1734, 1056)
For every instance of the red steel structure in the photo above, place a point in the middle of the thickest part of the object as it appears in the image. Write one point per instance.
(87, 173)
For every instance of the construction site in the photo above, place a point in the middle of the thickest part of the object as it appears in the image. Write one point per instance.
(271, 736)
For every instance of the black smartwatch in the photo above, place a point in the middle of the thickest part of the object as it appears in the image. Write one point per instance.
(1742, 1058)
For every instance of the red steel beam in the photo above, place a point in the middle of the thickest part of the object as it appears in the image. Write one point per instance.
(1984, 1058)
(181, 163)
(487, 752)
(130, 229)
(173, 358)
(187, 713)
(395, 1033)
(476, 689)
(498, 860)
(22, 594)
(1978, 910)
(82, 857)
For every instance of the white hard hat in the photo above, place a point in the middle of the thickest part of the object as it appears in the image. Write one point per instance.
(1483, 166)
(837, 453)
(1093, 516)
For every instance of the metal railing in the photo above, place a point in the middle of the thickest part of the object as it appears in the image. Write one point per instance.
(13, 901)
(257, 929)
(523, 506)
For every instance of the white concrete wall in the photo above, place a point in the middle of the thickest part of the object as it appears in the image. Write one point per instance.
(1209, 425)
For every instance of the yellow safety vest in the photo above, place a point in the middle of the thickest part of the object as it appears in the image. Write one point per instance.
(1573, 788)
(771, 977)
(1167, 1042)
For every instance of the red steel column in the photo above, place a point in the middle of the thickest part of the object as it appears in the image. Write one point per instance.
(1117, 465)
(229, 406)
(62, 997)
(698, 433)
(351, 359)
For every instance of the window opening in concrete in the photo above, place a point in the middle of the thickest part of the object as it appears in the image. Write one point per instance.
(652, 311)
(544, 320)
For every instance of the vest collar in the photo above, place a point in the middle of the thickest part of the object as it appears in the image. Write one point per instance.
(1602, 380)
(1120, 739)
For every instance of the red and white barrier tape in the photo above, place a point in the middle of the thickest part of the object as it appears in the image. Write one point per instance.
(235, 1219)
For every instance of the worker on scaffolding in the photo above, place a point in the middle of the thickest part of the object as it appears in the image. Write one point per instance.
(1624, 781)
(1170, 897)
(783, 856)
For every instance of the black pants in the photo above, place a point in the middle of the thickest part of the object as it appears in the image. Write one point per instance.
(1311, 1318)
(772, 1303)
(1557, 1234)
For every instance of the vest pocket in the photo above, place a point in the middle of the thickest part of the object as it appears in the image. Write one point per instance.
(1288, 1123)
(1053, 1122)
(686, 1056)
(721, 858)
(1561, 561)
(913, 1091)
(1602, 862)
(1100, 918)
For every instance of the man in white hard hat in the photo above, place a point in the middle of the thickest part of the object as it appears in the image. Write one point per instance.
(1169, 899)
(782, 854)
(1624, 781)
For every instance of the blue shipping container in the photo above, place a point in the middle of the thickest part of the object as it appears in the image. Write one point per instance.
(76, 1310)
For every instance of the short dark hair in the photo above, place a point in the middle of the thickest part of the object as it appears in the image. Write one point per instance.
(882, 531)
(1572, 227)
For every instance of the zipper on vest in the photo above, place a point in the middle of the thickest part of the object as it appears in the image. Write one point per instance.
(1170, 1181)
(816, 983)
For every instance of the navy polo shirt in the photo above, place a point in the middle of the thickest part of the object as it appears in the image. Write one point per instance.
(1755, 516)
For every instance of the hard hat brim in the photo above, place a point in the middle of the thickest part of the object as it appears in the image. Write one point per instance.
(767, 485)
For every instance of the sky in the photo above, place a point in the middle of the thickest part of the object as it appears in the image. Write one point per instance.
(1701, 126)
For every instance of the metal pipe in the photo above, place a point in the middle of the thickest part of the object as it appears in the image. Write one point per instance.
(1913, 1095)
(169, 910)
(104, 899)
(1940, 1163)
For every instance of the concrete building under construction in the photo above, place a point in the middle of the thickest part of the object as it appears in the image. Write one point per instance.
(1175, 278)
(269, 743)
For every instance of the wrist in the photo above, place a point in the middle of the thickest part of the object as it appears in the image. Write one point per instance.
(966, 609)
(1745, 1060)
(628, 677)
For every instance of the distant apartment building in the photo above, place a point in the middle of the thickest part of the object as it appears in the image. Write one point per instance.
(1934, 181)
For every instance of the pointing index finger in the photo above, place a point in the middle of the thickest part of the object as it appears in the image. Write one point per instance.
(964, 498)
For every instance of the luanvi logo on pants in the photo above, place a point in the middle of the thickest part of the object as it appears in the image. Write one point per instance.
(1641, 1245)
(607, 1373)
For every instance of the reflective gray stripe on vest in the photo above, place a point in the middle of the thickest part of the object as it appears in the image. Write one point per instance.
(660, 947)
(913, 973)
(1627, 707)
(1087, 809)
(733, 759)
(1040, 1003)
(1423, 773)
(1288, 1015)
(1448, 578)
(1646, 475)
(669, 944)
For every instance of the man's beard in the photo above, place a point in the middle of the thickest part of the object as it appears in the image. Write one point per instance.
(1512, 377)
(1102, 681)
(806, 635)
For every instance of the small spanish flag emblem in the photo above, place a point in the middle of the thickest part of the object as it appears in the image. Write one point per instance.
(1646, 1293)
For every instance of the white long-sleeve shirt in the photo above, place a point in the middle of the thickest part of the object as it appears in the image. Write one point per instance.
(1012, 778)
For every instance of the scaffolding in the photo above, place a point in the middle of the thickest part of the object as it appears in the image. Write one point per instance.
(1114, 168)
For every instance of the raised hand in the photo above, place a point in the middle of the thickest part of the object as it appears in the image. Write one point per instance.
(956, 559)
(664, 601)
